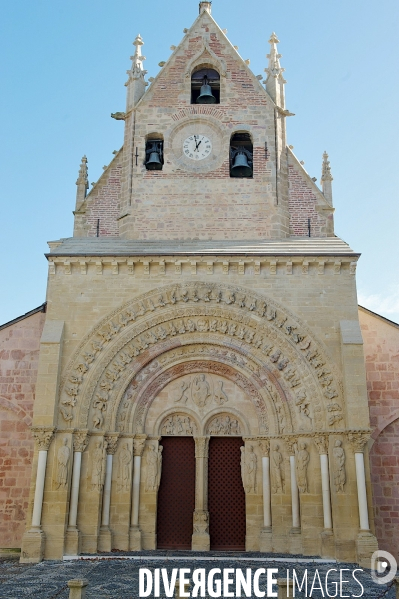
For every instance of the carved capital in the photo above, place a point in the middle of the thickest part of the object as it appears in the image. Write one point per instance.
(264, 444)
(112, 443)
(291, 444)
(201, 447)
(80, 440)
(321, 442)
(43, 437)
(358, 440)
(138, 445)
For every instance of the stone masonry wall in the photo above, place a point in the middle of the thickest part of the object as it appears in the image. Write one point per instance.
(381, 348)
(19, 353)
(103, 203)
(302, 206)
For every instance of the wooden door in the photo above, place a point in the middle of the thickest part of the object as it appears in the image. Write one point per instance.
(176, 495)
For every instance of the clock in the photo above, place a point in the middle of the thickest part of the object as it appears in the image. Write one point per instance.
(197, 147)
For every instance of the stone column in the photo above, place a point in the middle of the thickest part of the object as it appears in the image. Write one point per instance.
(366, 542)
(105, 536)
(72, 538)
(33, 539)
(135, 532)
(265, 536)
(327, 536)
(200, 538)
(295, 534)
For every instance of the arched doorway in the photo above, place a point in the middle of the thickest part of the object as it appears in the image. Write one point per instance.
(226, 496)
(176, 495)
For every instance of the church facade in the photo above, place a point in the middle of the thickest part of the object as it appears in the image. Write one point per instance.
(201, 380)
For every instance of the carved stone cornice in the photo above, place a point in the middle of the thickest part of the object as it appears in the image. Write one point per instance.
(80, 440)
(264, 444)
(138, 445)
(111, 440)
(201, 447)
(321, 442)
(358, 440)
(43, 437)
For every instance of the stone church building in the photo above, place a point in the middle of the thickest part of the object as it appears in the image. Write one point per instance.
(201, 376)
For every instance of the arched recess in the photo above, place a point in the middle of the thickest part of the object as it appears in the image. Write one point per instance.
(266, 338)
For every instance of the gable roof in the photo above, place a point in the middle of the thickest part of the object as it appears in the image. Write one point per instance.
(41, 308)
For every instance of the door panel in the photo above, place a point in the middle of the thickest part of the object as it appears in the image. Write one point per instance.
(176, 495)
(226, 496)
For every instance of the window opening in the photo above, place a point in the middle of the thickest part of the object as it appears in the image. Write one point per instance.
(154, 154)
(205, 87)
(241, 155)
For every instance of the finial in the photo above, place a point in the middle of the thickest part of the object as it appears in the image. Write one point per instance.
(326, 179)
(205, 5)
(274, 69)
(82, 183)
(137, 58)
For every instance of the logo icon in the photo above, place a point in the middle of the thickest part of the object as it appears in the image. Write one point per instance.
(383, 567)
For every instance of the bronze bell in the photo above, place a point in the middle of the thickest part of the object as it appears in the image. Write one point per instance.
(206, 96)
(240, 167)
(154, 162)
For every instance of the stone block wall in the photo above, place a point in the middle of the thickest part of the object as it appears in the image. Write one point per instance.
(381, 348)
(19, 354)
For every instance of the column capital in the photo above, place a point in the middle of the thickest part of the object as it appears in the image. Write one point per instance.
(111, 440)
(43, 436)
(321, 442)
(201, 447)
(291, 444)
(139, 444)
(358, 440)
(80, 440)
(264, 444)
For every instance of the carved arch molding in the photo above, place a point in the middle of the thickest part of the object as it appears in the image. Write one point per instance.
(131, 354)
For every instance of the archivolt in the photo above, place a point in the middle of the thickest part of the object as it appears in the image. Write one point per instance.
(249, 323)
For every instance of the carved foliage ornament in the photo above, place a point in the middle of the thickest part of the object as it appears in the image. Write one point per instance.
(106, 331)
(43, 437)
(201, 447)
(321, 443)
(111, 443)
(80, 440)
(358, 440)
(139, 444)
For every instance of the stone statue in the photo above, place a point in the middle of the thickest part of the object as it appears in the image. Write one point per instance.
(302, 461)
(250, 463)
(339, 467)
(99, 407)
(200, 522)
(152, 469)
(278, 470)
(124, 461)
(160, 450)
(282, 421)
(219, 394)
(200, 390)
(97, 467)
(62, 464)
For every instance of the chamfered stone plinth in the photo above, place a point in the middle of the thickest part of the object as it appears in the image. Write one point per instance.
(366, 544)
(295, 541)
(135, 539)
(72, 541)
(32, 549)
(105, 539)
(327, 548)
(200, 541)
(266, 540)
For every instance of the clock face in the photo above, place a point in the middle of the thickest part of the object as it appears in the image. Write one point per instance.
(197, 147)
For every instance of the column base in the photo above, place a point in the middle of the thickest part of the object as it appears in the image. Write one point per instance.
(135, 539)
(327, 548)
(72, 541)
(200, 541)
(32, 549)
(295, 541)
(266, 539)
(366, 544)
(105, 539)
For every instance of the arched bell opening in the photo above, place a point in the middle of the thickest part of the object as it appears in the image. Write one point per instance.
(154, 152)
(241, 155)
(205, 86)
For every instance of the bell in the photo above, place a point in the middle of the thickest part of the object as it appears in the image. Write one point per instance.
(153, 163)
(241, 167)
(206, 96)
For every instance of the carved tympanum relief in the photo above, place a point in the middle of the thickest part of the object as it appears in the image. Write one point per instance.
(203, 390)
(63, 455)
(214, 308)
(178, 424)
(249, 462)
(339, 466)
(224, 424)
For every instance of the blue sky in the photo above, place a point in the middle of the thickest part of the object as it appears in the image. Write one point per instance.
(63, 69)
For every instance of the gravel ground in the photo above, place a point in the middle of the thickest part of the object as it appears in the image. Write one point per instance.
(111, 578)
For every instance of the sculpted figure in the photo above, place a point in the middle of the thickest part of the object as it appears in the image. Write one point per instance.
(160, 450)
(124, 460)
(339, 467)
(183, 388)
(278, 470)
(235, 427)
(219, 394)
(200, 390)
(99, 405)
(302, 461)
(62, 466)
(226, 426)
(152, 469)
(282, 421)
(97, 467)
(200, 522)
(243, 477)
(250, 465)
(215, 426)
(169, 427)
